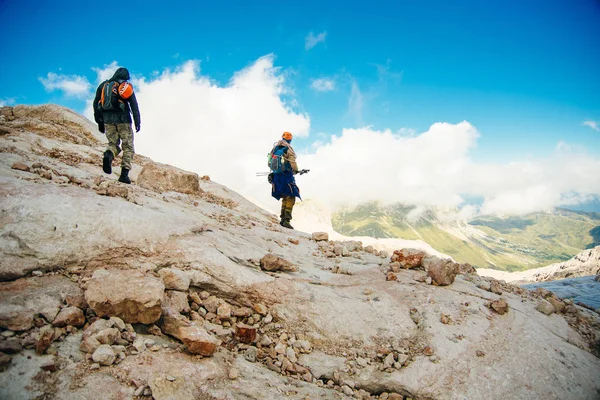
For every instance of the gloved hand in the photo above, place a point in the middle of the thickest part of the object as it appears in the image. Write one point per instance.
(137, 128)
(101, 127)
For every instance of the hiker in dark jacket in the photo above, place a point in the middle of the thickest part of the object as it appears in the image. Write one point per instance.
(116, 123)
(284, 185)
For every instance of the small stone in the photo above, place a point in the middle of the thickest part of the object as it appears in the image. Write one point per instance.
(224, 311)
(500, 306)
(45, 339)
(428, 351)
(20, 166)
(291, 354)
(69, 316)
(390, 276)
(139, 391)
(266, 341)
(95, 366)
(104, 355)
(260, 308)
(245, 334)
(8, 333)
(118, 323)
(480, 353)
(10, 346)
(428, 280)
(388, 362)
(495, 288)
(170, 378)
(445, 319)
(139, 345)
(280, 348)
(320, 236)
(251, 353)
(363, 362)
(233, 373)
(154, 330)
(211, 304)
(287, 365)
(347, 390)
(545, 307)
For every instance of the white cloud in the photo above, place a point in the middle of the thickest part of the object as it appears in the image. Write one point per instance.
(323, 84)
(434, 169)
(72, 85)
(191, 122)
(222, 131)
(311, 40)
(7, 102)
(592, 124)
(105, 72)
(356, 103)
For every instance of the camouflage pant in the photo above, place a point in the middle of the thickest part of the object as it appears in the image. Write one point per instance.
(123, 134)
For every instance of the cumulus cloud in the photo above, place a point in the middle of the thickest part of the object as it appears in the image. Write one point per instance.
(71, 85)
(226, 131)
(105, 72)
(323, 84)
(592, 124)
(311, 40)
(434, 169)
(222, 131)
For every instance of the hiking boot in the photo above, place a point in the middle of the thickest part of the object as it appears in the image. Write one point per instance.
(286, 224)
(124, 176)
(107, 162)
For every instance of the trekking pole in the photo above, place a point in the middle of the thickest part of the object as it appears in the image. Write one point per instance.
(262, 173)
(303, 171)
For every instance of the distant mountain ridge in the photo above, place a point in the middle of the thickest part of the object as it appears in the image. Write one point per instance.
(584, 263)
(510, 244)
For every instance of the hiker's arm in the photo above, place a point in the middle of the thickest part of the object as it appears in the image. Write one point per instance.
(135, 111)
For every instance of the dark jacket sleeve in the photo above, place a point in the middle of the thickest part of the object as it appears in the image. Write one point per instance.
(135, 110)
(97, 113)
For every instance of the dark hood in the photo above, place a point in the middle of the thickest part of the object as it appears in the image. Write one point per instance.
(121, 74)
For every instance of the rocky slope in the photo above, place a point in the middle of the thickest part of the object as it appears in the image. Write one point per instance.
(177, 287)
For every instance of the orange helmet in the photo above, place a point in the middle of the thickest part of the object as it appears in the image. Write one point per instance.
(125, 90)
(287, 136)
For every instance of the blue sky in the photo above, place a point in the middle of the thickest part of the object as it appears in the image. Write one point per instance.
(525, 74)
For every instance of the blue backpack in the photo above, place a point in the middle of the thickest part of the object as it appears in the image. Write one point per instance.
(276, 159)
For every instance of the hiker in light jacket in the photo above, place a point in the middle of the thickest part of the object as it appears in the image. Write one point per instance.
(284, 184)
(116, 124)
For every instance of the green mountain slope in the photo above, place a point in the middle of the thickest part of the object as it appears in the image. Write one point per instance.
(513, 243)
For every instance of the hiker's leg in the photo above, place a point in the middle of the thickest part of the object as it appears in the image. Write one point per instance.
(282, 207)
(112, 134)
(126, 135)
(289, 206)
